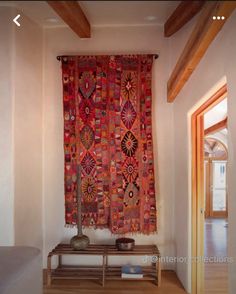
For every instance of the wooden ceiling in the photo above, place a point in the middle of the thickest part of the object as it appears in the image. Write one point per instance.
(73, 15)
(216, 127)
(184, 12)
(204, 32)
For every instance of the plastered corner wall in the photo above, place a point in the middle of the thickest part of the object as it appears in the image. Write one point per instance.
(218, 64)
(21, 130)
(6, 127)
(28, 71)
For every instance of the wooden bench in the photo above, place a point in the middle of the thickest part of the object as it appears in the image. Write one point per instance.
(104, 271)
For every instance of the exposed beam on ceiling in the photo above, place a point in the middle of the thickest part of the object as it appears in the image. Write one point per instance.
(184, 12)
(216, 127)
(72, 14)
(203, 34)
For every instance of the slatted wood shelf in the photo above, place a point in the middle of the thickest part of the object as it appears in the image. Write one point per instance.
(114, 273)
(62, 249)
(145, 278)
(87, 273)
(138, 250)
(104, 271)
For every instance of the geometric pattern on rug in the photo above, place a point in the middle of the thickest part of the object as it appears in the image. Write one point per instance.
(107, 104)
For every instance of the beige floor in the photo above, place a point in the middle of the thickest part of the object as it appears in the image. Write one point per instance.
(170, 285)
(216, 245)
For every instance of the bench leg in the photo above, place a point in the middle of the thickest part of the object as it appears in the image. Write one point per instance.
(103, 269)
(49, 271)
(158, 268)
(59, 261)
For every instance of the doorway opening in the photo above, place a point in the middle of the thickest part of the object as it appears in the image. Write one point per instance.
(216, 204)
(209, 195)
(215, 176)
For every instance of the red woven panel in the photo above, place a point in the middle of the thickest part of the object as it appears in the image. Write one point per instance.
(108, 131)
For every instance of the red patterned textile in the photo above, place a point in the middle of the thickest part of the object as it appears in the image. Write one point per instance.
(108, 131)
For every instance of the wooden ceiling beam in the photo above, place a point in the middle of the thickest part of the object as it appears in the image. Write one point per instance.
(73, 15)
(203, 34)
(216, 127)
(184, 12)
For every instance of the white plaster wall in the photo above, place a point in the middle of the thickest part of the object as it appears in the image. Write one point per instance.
(21, 52)
(28, 133)
(6, 129)
(218, 62)
(105, 41)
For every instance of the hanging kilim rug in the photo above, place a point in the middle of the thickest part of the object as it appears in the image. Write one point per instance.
(108, 131)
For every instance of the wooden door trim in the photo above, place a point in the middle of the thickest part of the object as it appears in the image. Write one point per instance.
(197, 233)
(207, 189)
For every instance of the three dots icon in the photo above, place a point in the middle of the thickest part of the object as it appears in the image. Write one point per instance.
(218, 17)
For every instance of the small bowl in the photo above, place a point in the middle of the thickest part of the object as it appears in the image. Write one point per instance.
(125, 244)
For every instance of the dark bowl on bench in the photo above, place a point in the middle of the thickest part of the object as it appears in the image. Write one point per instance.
(125, 244)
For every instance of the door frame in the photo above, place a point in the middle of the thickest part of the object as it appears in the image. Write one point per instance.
(197, 199)
(207, 190)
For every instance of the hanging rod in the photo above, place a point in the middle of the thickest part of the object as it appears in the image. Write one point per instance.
(61, 56)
